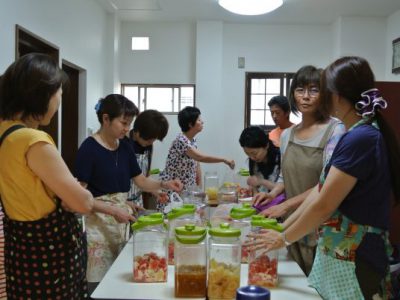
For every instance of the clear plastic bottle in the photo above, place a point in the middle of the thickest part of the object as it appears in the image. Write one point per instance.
(179, 216)
(228, 193)
(263, 266)
(223, 262)
(150, 240)
(190, 262)
(241, 218)
(211, 183)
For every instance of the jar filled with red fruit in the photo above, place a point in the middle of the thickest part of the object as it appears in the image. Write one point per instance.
(179, 216)
(241, 218)
(190, 261)
(263, 265)
(223, 262)
(150, 240)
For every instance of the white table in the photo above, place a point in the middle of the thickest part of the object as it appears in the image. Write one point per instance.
(118, 282)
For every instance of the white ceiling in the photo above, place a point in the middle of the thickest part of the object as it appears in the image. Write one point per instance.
(291, 12)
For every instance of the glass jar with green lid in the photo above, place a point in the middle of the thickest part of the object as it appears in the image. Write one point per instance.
(179, 216)
(150, 239)
(224, 257)
(190, 261)
(241, 217)
(263, 266)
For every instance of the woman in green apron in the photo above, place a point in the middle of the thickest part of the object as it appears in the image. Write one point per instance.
(305, 148)
(352, 204)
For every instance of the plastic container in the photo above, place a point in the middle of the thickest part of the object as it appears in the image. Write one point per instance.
(241, 218)
(245, 191)
(252, 292)
(211, 183)
(223, 262)
(263, 266)
(150, 240)
(179, 216)
(228, 193)
(190, 262)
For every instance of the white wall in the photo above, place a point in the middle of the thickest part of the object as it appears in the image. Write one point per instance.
(365, 37)
(393, 32)
(78, 28)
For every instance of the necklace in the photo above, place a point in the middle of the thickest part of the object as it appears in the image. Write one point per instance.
(113, 151)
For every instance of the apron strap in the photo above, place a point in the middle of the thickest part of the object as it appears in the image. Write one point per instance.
(9, 131)
(2, 138)
(327, 134)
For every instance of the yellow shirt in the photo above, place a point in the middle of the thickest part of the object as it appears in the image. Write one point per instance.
(24, 195)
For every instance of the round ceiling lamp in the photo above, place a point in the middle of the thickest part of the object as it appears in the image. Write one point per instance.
(250, 7)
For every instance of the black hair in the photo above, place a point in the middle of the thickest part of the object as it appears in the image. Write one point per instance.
(280, 101)
(28, 85)
(187, 117)
(150, 124)
(307, 75)
(349, 77)
(255, 137)
(115, 105)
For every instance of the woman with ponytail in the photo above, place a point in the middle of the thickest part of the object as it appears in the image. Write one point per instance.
(351, 206)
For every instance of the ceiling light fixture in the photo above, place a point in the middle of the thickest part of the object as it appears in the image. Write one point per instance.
(250, 7)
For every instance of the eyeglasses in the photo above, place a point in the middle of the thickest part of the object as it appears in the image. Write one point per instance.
(312, 92)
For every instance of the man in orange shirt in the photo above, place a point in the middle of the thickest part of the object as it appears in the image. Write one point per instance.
(280, 111)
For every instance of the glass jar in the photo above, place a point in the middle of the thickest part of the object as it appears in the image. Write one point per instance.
(241, 218)
(245, 191)
(211, 183)
(179, 216)
(150, 239)
(228, 193)
(223, 262)
(263, 266)
(190, 262)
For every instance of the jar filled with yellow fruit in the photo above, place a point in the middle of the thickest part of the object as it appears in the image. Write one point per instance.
(224, 262)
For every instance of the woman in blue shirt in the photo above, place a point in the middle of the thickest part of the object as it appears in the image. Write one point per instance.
(106, 164)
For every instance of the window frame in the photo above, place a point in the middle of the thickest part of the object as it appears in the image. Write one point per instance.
(284, 76)
(160, 85)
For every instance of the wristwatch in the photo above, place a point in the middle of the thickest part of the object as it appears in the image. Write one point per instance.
(287, 243)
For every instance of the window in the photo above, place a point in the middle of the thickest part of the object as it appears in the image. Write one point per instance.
(166, 98)
(140, 43)
(260, 88)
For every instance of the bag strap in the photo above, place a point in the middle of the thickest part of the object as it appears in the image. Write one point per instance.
(9, 131)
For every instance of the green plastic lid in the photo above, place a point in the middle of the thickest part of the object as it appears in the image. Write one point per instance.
(150, 220)
(190, 234)
(266, 223)
(242, 212)
(224, 230)
(154, 171)
(244, 172)
(186, 209)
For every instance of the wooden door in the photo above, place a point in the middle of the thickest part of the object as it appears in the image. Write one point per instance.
(27, 42)
(391, 92)
(70, 115)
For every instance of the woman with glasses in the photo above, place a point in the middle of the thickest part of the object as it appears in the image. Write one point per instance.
(305, 148)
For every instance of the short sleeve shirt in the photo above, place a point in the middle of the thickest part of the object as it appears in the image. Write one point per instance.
(23, 193)
(362, 154)
(106, 171)
(179, 165)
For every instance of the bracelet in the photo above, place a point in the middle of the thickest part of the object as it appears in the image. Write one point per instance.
(287, 243)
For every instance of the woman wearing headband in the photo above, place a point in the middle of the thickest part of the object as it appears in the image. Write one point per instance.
(351, 206)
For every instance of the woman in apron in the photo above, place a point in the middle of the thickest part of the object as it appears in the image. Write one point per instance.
(149, 126)
(352, 204)
(304, 147)
(45, 248)
(106, 164)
